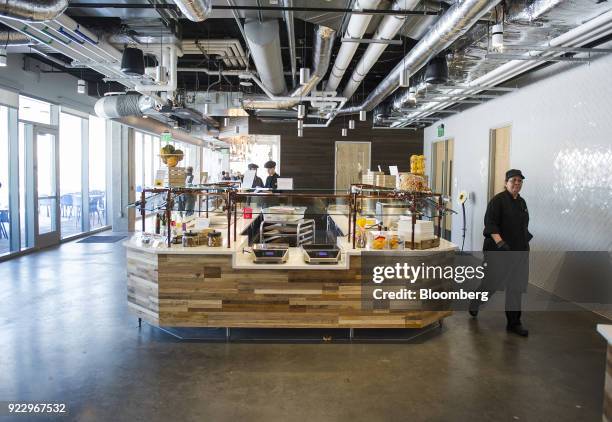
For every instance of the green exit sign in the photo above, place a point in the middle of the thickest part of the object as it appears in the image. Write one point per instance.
(166, 137)
(440, 131)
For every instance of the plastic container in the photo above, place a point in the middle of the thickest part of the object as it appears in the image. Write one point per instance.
(247, 213)
(377, 240)
(215, 239)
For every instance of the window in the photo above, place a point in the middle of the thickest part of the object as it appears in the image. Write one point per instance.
(71, 195)
(5, 229)
(34, 110)
(97, 172)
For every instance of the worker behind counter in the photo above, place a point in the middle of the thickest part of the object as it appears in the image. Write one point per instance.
(257, 182)
(272, 179)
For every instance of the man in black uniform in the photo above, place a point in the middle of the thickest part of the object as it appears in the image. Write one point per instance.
(257, 182)
(506, 250)
(271, 180)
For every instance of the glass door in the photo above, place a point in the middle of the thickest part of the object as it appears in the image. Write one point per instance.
(46, 188)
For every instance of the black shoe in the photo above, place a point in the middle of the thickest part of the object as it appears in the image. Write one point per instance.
(518, 329)
(473, 308)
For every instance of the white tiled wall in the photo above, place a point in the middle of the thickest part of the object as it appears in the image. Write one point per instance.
(561, 139)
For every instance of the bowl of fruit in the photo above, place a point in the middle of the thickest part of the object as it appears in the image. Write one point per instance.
(171, 156)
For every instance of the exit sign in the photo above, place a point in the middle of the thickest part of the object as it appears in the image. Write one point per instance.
(440, 131)
(166, 137)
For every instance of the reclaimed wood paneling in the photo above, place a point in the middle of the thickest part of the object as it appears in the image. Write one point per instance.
(205, 291)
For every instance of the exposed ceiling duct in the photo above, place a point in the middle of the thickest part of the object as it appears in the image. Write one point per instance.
(33, 10)
(11, 38)
(116, 106)
(452, 25)
(323, 43)
(154, 126)
(195, 10)
(229, 50)
(264, 43)
(387, 30)
(355, 29)
(288, 15)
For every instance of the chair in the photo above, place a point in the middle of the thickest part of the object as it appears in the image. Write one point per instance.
(4, 218)
(94, 210)
(66, 204)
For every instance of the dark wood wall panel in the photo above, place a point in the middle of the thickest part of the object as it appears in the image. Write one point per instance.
(310, 160)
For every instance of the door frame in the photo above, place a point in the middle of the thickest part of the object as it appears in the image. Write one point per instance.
(336, 157)
(53, 237)
(492, 151)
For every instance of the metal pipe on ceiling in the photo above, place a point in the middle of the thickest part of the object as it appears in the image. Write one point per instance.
(355, 29)
(323, 43)
(452, 25)
(33, 10)
(387, 30)
(195, 10)
(264, 43)
(288, 15)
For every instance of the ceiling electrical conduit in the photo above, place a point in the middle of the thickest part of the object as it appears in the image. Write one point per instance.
(387, 30)
(33, 10)
(323, 43)
(355, 29)
(451, 26)
(590, 31)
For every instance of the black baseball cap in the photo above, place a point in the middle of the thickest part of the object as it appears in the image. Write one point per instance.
(253, 166)
(512, 173)
(270, 164)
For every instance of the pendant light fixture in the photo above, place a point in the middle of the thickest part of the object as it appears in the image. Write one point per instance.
(132, 62)
(226, 121)
(304, 75)
(363, 116)
(300, 124)
(497, 37)
(404, 78)
(206, 109)
(351, 124)
(236, 129)
(437, 70)
(81, 86)
(300, 133)
(301, 111)
(344, 131)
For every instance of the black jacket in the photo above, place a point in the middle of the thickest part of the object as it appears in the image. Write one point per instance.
(509, 218)
(257, 183)
(271, 181)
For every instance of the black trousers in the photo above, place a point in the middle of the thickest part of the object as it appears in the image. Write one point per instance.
(513, 305)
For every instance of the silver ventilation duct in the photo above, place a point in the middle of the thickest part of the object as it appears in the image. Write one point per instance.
(452, 25)
(33, 10)
(117, 106)
(195, 10)
(323, 43)
(264, 43)
(288, 15)
(9, 38)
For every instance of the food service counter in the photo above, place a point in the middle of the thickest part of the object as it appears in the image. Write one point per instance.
(221, 287)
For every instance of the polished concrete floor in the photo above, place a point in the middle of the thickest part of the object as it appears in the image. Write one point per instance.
(66, 336)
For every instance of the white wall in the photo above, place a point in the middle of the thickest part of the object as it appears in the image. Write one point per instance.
(562, 141)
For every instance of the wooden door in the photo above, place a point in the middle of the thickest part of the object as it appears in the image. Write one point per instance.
(352, 160)
(499, 159)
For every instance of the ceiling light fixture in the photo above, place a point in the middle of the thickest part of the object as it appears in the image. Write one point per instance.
(300, 133)
(206, 109)
(363, 115)
(132, 62)
(300, 124)
(301, 111)
(236, 129)
(81, 86)
(437, 70)
(226, 121)
(497, 37)
(344, 131)
(404, 78)
(304, 75)
(351, 124)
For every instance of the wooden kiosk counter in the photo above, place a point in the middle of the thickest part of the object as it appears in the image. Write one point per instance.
(221, 287)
